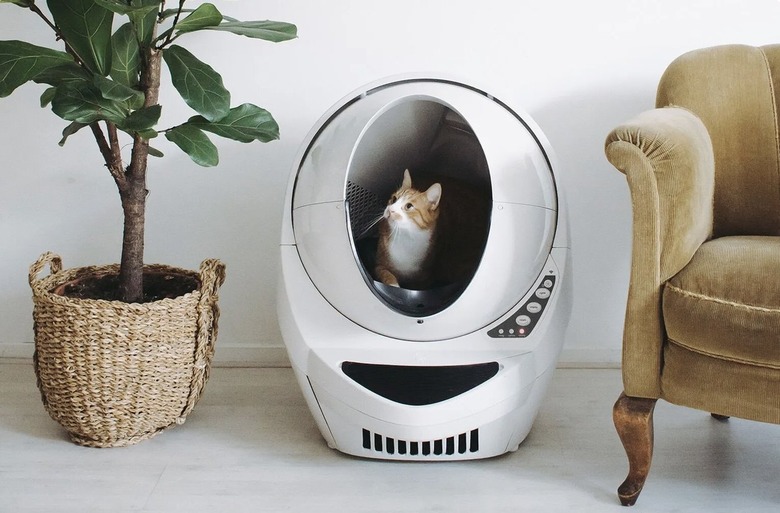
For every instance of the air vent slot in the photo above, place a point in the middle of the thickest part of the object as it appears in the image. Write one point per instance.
(419, 385)
(450, 446)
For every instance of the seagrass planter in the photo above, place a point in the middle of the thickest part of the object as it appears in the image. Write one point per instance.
(113, 373)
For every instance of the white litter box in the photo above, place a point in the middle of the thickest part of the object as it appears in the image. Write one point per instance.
(449, 373)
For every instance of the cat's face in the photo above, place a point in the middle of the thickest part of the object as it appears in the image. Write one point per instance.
(410, 209)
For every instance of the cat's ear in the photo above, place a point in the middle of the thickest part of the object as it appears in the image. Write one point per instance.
(407, 180)
(434, 195)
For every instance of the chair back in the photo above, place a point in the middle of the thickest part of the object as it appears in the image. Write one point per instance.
(734, 90)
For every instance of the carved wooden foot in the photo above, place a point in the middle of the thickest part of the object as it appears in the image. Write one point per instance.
(633, 419)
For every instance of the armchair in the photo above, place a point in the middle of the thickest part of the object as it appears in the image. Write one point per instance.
(702, 322)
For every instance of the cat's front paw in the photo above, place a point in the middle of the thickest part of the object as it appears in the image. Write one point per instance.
(386, 277)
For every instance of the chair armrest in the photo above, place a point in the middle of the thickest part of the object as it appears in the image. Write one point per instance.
(666, 155)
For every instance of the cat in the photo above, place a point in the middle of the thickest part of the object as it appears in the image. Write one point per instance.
(431, 235)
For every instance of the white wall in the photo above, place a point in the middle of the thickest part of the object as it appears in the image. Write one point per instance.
(578, 67)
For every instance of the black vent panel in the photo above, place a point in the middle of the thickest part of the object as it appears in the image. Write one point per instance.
(463, 443)
(419, 385)
(365, 208)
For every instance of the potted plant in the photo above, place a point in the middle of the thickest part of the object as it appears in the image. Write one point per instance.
(123, 351)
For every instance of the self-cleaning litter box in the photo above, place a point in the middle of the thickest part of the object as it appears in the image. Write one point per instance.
(455, 372)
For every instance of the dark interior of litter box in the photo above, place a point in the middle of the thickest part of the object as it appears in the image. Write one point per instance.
(425, 137)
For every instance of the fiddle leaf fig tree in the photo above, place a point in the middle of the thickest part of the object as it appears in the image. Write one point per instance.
(107, 79)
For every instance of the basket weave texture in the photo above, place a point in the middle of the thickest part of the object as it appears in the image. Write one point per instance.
(114, 373)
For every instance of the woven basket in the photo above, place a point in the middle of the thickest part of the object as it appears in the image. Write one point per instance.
(114, 373)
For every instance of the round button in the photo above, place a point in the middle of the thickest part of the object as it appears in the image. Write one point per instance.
(542, 293)
(523, 320)
(547, 283)
(534, 307)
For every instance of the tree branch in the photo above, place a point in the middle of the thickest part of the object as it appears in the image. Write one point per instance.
(34, 8)
(113, 139)
(150, 81)
(110, 152)
(170, 31)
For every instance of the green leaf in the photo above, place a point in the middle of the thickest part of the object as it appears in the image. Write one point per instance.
(125, 56)
(20, 3)
(86, 27)
(47, 96)
(206, 15)
(154, 152)
(122, 7)
(21, 62)
(167, 13)
(147, 134)
(194, 143)
(198, 84)
(144, 22)
(67, 72)
(142, 119)
(111, 90)
(74, 101)
(244, 123)
(70, 130)
(275, 31)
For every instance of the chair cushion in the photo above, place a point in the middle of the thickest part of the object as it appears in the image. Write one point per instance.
(726, 302)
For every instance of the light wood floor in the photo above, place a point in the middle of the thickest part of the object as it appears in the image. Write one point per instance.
(251, 446)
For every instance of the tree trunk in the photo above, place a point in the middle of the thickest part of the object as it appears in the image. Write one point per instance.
(131, 266)
(133, 194)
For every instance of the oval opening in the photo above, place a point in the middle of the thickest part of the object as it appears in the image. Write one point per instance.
(437, 146)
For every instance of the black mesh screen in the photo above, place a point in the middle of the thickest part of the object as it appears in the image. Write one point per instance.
(419, 385)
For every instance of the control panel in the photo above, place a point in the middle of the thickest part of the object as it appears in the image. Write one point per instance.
(523, 321)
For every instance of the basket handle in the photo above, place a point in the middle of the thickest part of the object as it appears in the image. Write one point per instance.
(53, 260)
(212, 276)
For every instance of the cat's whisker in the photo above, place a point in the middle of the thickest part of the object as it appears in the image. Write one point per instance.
(395, 231)
(370, 225)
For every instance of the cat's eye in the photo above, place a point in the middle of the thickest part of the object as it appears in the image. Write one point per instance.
(408, 206)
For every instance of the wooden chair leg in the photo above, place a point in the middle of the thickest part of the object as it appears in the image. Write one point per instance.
(633, 418)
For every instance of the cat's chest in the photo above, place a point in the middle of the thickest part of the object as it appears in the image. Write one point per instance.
(408, 250)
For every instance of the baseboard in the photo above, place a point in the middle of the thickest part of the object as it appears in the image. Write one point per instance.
(276, 356)
(244, 356)
(16, 351)
(590, 358)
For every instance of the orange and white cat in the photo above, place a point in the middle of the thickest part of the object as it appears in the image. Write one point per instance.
(406, 236)
(430, 237)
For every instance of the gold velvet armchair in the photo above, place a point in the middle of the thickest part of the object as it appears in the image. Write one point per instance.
(702, 325)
